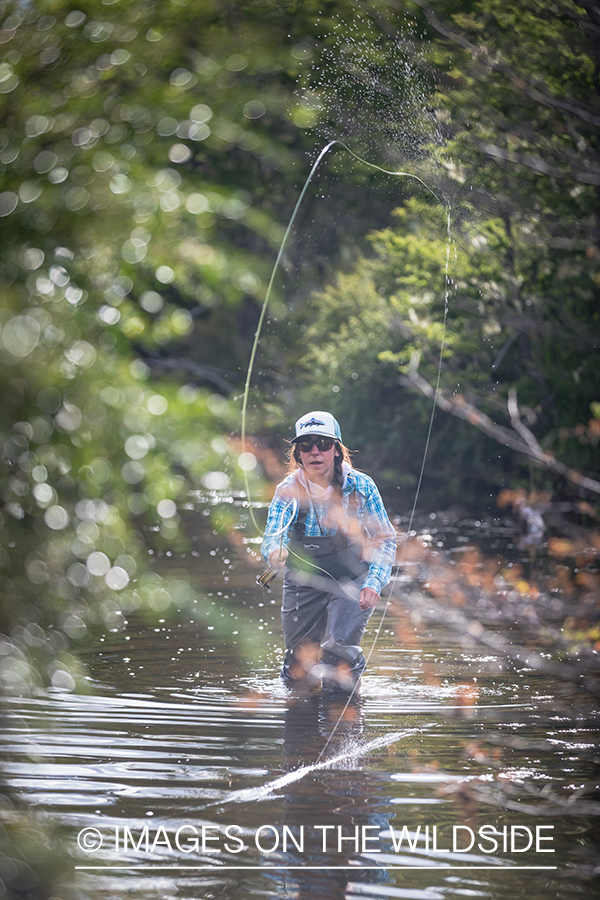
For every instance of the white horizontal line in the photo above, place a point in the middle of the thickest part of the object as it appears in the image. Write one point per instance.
(353, 868)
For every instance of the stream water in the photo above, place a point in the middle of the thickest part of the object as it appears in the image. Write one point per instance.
(190, 771)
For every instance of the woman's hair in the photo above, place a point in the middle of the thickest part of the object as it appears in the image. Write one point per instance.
(294, 461)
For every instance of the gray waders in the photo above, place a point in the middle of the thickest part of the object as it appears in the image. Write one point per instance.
(322, 621)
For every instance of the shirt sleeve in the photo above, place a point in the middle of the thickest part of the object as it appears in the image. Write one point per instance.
(283, 512)
(382, 535)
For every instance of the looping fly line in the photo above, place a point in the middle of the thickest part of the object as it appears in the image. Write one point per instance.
(259, 327)
(275, 269)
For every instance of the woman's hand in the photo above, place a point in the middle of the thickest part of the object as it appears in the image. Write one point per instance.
(368, 598)
(277, 558)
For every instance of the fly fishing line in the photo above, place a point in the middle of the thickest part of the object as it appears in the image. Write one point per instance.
(274, 271)
(252, 360)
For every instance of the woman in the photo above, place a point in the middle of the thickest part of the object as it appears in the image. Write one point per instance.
(327, 524)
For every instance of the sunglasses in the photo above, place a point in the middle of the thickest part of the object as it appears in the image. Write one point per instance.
(323, 444)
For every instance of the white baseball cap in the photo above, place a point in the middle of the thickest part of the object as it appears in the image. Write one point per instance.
(317, 422)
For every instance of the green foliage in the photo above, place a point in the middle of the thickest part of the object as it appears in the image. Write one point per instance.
(89, 446)
(377, 320)
(361, 330)
(146, 156)
(31, 865)
(138, 207)
(147, 153)
(125, 215)
(516, 96)
(520, 106)
(125, 142)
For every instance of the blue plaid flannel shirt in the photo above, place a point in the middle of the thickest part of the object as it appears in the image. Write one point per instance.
(370, 511)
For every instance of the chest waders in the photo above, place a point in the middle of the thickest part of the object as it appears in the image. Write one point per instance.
(321, 618)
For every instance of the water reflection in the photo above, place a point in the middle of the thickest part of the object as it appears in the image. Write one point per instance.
(191, 729)
(334, 829)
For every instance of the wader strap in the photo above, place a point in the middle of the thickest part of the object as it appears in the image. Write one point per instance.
(300, 523)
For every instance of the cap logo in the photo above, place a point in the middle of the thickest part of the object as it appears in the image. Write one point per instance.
(311, 422)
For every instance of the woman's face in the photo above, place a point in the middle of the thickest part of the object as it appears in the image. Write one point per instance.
(319, 465)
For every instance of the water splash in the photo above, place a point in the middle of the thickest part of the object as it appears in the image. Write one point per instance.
(263, 791)
(372, 84)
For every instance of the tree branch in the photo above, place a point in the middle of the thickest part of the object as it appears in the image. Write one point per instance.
(519, 426)
(537, 164)
(570, 331)
(429, 609)
(520, 439)
(533, 88)
(202, 373)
